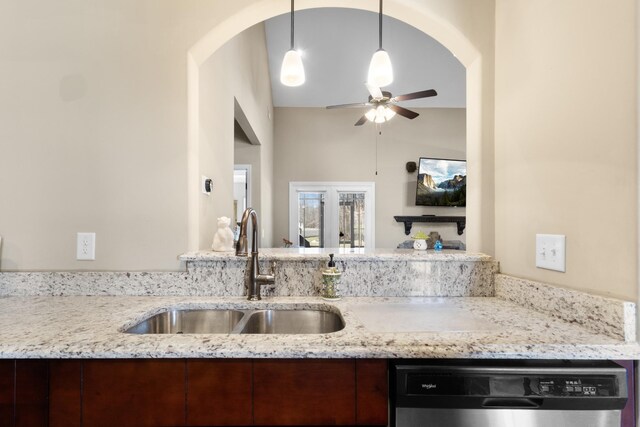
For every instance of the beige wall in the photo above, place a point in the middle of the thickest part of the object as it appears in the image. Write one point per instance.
(94, 123)
(316, 144)
(565, 139)
(239, 70)
(93, 130)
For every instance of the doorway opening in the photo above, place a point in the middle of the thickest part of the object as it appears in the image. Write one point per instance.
(332, 214)
(435, 23)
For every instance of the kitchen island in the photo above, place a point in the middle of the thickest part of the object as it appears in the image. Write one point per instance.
(89, 327)
(68, 360)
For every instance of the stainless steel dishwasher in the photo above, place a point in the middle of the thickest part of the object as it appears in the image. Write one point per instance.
(473, 393)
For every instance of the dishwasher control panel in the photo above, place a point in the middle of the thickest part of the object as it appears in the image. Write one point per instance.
(577, 386)
(511, 385)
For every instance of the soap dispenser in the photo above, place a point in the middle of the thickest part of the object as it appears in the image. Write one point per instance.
(331, 281)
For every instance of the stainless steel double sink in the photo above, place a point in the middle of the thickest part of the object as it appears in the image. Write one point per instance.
(231, 321)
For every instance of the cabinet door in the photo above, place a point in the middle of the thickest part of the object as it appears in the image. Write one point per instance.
(65, 393)
(372, 392)
(304, 392)
(31, 393)
(134, 393)
(24, 393)
(7, 384)
(219, 392)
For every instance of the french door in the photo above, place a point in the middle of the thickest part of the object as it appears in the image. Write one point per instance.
(332, 214)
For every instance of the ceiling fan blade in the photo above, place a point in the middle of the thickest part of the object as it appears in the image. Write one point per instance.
(355, 104)
(375, 91)
(403, 111)
(416, 95)
(362, 121)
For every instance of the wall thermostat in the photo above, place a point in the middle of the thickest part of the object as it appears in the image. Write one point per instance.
(207, 185)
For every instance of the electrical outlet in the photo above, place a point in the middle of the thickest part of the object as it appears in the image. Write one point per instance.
(551, 252)
(86, 247)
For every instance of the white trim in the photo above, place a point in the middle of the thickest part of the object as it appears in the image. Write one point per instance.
(248, 169)
(332, 191)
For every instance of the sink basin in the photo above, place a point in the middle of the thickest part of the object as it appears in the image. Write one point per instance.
(293, 322)
(189, 322)
(228, 321)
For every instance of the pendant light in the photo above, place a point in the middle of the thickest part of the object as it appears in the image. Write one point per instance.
(380, 70)
(292, 71)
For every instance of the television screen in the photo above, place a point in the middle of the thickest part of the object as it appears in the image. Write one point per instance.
(442, 182)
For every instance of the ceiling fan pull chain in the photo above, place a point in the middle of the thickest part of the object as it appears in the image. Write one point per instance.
(378, 128)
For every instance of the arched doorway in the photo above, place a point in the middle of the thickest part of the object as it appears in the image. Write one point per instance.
(479, 149)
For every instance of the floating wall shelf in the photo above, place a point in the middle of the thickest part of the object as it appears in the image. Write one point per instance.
(409, 220)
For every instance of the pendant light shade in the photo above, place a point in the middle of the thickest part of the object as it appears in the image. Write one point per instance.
(380, 69)
(292, 71)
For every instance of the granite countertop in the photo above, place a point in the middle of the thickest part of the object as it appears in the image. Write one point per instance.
(401, 327)
(344, 253)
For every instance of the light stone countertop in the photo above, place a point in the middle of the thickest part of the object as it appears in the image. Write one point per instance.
(344, 253)
(465, 327)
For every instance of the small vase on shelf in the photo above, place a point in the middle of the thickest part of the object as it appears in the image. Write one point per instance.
(420, 241)
(420, 244)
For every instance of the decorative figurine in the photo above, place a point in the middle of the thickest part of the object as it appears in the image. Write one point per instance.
(223, 239)
(420, 241)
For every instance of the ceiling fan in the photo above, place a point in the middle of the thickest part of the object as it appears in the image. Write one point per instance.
(384, 105)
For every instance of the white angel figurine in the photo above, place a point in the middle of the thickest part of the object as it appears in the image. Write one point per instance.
(223, 239)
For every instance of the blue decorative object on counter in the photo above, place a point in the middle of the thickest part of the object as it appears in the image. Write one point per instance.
(437, 246)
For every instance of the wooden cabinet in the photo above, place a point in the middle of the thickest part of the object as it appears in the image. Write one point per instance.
(219, 392)
(65, 393)
(116, 392)
(304, 392)
(201, 392)
(136, 393)
(372, 392)
(31, 393)
(24, 393)
(7, 369)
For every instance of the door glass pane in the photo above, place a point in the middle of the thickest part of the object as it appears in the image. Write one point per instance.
(311, 220)
(240, 189)
(351, 220)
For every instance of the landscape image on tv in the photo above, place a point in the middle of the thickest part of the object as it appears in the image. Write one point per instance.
(442, 182)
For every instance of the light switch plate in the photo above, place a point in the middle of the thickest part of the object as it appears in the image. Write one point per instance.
(551, 252)
(86, 247)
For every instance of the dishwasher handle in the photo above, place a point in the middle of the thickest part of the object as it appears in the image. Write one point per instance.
(511, 403)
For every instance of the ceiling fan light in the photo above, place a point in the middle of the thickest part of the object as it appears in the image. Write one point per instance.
(380, 116)
(371, 115)
(389, 113)
(380, 69)
(292, 71)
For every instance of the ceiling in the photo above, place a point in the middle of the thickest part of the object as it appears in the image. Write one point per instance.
(336, 46)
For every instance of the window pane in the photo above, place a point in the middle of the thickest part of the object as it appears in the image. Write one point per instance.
(311, 215)
(351, 220)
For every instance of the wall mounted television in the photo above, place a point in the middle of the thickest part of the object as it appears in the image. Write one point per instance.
(441, 182)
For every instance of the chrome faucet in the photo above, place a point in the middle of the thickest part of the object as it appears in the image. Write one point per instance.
(255, 278)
